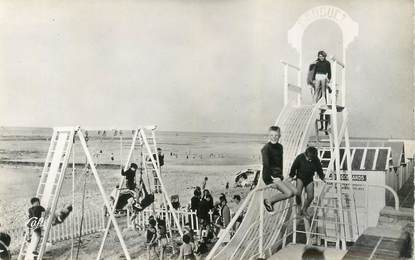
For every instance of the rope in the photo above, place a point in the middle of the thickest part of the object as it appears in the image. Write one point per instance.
(98, 155)
(121, 150)
(73, 200)
(82, 215)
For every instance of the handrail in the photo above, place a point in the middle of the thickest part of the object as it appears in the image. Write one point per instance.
(213, 252)
(333, 58)
(294, 87)
(290, 65)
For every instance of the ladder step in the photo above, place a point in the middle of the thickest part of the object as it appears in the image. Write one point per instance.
(329, 108)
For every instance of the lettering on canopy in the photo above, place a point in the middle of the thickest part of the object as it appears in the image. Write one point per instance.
(350, 29)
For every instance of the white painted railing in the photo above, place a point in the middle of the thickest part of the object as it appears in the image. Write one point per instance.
(289, 87)
(353, 227)
(93, 222)
(397, 179)
(286, 231)
(337, 66)
(185, 217)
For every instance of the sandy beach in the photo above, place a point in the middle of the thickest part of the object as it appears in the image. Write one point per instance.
(189, 157)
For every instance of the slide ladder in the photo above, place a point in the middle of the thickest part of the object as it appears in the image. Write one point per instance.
(49, 189)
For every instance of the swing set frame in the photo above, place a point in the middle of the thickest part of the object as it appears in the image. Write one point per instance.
(82, 135)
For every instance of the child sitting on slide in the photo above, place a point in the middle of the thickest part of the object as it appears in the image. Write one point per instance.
(272, 160)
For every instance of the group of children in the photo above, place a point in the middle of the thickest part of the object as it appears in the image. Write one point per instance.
(302, 171)
(157, 240)
(305, 164)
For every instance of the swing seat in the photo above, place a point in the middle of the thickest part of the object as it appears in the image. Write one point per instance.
(123, 198)
(145, 202)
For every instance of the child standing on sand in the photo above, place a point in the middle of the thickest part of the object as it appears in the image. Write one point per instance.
(151, 238)
(36, 217)
(187, 249)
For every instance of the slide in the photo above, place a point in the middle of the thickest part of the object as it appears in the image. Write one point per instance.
(297, 124)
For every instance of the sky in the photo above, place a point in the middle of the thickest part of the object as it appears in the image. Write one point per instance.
(194, 65)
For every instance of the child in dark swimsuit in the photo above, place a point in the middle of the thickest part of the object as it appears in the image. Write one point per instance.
(303, 168)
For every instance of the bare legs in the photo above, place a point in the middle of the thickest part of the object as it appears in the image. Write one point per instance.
(287, 191)
(309, 189)
(320, 91)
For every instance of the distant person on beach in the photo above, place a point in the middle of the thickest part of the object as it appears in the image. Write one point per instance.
(303, 168)
(204, 183)
(130, 176)
(272, 175)
(4, 246)
(321, 79)
(36, 218)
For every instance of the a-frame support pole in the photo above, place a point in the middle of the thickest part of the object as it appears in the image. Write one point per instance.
(103, 194)
(117, 194)
(157, 169)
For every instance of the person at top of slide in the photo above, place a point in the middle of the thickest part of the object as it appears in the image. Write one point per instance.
(272, 160)
(321, 79)
(303, 168)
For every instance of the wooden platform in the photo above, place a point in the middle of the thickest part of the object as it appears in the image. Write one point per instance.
(375, 247)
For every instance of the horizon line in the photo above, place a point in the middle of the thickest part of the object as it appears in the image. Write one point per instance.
(223, 132)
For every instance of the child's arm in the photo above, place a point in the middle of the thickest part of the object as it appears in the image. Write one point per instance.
(154, 238)
(294, 168)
